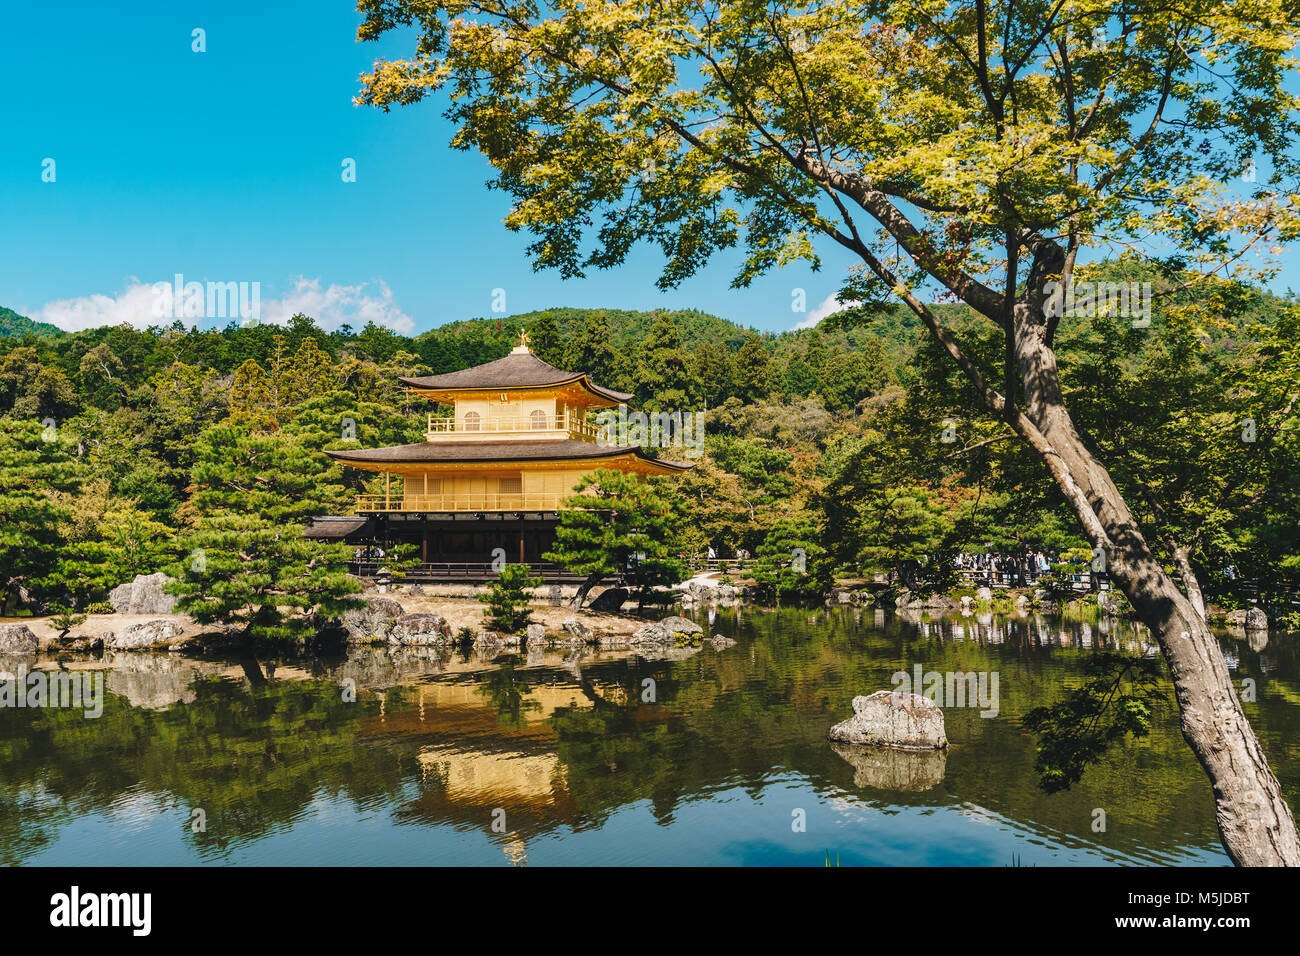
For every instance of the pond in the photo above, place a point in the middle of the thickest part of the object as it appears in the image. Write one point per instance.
(694, 757)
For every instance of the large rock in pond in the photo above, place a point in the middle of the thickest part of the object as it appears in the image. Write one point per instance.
(668, 632)
(536, 634)
(144, 595)
(1252, 619)
(652, 633)
(681, 625)
(893, 719)
(17, 639)
(372, 623)
(610, 600)
(149, 634)
(418, 630)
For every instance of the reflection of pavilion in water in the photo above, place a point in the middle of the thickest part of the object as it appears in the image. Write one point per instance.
(486, 757)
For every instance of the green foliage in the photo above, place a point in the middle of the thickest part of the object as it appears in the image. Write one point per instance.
(65, 619)
(507, 600)
(620, 524)
(248, 562)
(791, 559)
(13, 325)
(1117, 698)
(36, 464)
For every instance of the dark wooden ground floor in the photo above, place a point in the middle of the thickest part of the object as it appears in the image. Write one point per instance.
(451, 546)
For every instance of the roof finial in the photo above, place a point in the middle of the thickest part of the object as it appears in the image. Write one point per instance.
(523, 342)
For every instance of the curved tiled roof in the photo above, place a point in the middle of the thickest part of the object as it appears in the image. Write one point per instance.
(519, 369)
(491, 451)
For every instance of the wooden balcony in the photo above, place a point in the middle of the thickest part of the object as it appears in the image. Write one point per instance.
(539, 426)
(368, 504)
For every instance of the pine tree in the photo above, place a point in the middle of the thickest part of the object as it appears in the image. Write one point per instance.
(713, 371)
(507, 601)
(34, 462)
(618, 524)
(751, 376)
(663, 374)
(590, 349)
(544, 339)
(248, 562)
(791, 561)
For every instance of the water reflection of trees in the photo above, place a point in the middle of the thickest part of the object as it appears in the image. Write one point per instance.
(567, 743)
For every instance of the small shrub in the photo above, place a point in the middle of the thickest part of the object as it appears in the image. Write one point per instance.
(63, 620)
(100, 607)
(508, 600)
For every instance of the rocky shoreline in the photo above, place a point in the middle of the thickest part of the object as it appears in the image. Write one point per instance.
(399, 616)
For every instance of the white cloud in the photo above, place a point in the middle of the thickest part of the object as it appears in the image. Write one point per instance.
(150, 303)
(134, 306)
(828, 306)
(338, 304)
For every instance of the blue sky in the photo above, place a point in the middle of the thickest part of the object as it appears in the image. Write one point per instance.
(225, 166)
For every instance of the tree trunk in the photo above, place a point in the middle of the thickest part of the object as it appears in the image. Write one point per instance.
(1255, 823)
(583, 589)
(1191, 584)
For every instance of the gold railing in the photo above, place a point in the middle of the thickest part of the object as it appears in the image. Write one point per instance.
(574, 426)
(458, 502)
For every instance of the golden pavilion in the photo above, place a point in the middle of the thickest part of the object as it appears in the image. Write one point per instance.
(493, 473)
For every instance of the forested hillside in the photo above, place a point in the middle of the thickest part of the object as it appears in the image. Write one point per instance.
(13, 325)
(854, 441)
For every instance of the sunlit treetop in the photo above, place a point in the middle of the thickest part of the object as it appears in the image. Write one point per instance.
(919, 135)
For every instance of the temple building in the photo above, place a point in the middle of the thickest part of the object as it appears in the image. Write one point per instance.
(493, 474)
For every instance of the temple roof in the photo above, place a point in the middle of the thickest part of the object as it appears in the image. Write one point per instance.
(520, 369)
(450, 453)
(337, 526)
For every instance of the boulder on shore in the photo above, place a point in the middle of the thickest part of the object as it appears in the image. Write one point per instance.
(372, 622)
(144, 595)
(610, 600)
(536, 634)
(418, 630)
(667, 633)
(158, 633)
(577, 628)
(893, 719)
(17, 639)
(841, 596)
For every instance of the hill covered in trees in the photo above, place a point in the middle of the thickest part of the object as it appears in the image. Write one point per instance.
(853, 441)
(13, 325)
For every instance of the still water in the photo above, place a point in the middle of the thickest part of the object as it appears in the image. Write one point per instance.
(694, 757)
